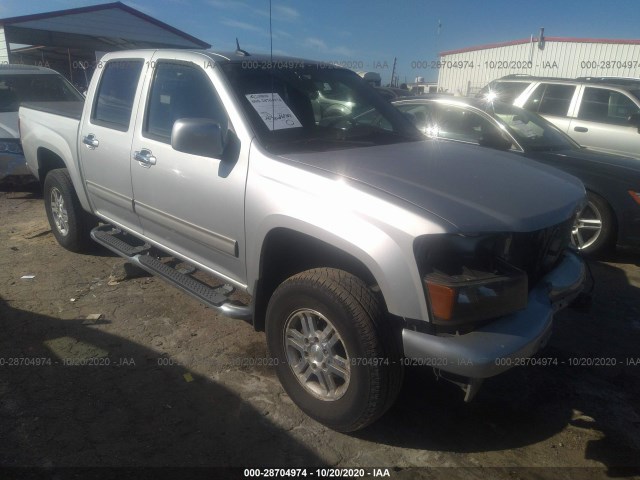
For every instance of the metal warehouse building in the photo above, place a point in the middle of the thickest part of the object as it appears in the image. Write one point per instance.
(465, 71)
(71, 41)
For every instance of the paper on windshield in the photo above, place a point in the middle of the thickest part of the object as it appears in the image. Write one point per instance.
(275, 114)
(523, 128)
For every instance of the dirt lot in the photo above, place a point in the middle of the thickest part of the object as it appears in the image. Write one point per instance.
(174, 384)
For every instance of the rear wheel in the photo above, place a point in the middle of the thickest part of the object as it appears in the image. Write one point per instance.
(326, 334)
(594, 229)
(69, 223)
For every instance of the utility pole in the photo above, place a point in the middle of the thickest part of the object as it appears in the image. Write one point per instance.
(393, 72)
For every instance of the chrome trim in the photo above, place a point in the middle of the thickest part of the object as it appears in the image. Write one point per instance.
(201, 235)
(109, 195)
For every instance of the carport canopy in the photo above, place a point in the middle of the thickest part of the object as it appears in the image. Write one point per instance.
(102, 28)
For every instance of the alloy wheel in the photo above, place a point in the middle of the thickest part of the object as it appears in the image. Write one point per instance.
(59, 211)
(587, 227)
(317, 355)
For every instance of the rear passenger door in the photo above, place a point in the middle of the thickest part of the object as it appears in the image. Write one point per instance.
(104, 143)
(190, 204)
(602, 121)
(555, 102)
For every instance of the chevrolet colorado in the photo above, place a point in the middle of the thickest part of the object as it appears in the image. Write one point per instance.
(363, 248)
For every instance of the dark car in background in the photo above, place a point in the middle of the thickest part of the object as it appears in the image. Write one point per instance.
(612, 214)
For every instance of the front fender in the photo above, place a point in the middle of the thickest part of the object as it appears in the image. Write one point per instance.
(364, 224)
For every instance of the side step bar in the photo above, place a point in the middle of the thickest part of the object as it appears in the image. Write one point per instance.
(136, 251)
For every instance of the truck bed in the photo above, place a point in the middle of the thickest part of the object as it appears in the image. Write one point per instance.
(65, 109)
(51, 127)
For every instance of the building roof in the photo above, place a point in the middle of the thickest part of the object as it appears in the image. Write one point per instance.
(106, 27)
(546, 39)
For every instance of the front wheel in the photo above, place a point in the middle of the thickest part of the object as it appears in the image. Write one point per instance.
(69, 223)
(594, 228)
(334, 353)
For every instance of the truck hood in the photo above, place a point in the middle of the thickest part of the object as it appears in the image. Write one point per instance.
(473, 188)
(9, 125)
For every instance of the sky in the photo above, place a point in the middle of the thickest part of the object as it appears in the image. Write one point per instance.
(369, 34)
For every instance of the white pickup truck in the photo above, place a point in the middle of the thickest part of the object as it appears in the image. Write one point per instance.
(364, 248)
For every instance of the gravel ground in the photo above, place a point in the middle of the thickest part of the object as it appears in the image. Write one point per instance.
(106, 367)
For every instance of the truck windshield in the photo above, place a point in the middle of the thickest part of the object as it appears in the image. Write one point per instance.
(311, 108)
(16, 89)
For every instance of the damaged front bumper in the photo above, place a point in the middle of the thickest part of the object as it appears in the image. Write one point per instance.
(495, 347)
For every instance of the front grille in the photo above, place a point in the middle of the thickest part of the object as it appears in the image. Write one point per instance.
(538, 252)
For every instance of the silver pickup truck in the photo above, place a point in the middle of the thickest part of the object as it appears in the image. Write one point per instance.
(363, 248)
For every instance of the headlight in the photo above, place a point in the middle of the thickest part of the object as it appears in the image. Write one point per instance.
(466, 280)
(468, 294)
(11, 146)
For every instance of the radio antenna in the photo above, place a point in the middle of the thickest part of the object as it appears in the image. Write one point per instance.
(273, 107)
(270, 32)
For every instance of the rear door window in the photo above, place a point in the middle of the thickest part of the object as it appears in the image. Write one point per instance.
(116, 93)
(551, 99)
(606, 106)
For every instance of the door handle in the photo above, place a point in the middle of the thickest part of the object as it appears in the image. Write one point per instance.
(581, 129)
(91, 141)
(145, 157)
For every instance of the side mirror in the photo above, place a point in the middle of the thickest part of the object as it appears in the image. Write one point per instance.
(634, 120)
(198, 136)
(495, 139)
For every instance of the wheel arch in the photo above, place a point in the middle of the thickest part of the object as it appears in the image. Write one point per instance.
(49, 159)
(286, 252)
(616, 222)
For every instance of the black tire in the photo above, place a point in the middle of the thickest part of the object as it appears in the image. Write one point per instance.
(69, 223)
(594, 242)
(334, 301)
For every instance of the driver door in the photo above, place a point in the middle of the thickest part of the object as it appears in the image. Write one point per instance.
(190, 204)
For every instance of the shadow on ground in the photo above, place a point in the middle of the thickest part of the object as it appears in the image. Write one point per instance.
(30, 187)
(138, 413)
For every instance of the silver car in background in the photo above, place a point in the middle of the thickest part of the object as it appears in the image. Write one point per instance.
(602, 113)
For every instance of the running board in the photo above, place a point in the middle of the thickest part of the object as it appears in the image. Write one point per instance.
(135, 251)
